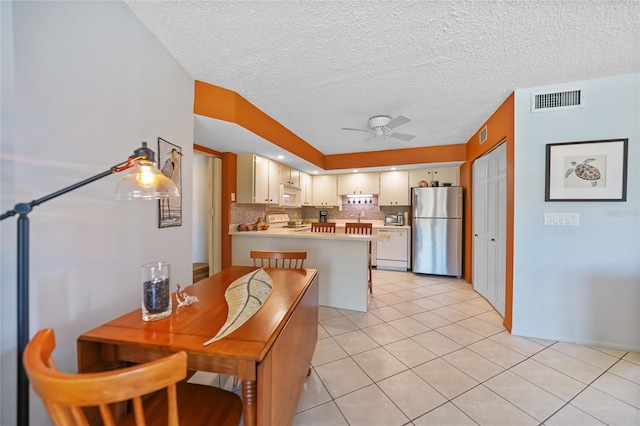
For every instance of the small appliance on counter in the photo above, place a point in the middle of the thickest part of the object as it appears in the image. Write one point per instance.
(323, 216)
(394, 220)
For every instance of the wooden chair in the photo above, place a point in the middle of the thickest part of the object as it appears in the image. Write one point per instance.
(323, 227)
(363, 229)
(157, 397)
(278, 259)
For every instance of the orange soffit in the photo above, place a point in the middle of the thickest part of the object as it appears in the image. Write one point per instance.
(220, 103)
(431, 154)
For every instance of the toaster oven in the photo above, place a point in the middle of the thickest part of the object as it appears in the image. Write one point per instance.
(393, 220)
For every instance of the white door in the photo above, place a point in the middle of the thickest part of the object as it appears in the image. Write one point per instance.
(489, 226)
(206, 241)
(480, 232)
(215, 228)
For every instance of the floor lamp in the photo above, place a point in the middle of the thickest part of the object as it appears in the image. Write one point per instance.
(145, 181)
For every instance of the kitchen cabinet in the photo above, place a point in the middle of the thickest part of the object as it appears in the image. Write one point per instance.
(441, 174)
(489, 226)
(257, 180)
(325, 190)
(289, 176)
(358, 184)
(306, 189)
(394, 188)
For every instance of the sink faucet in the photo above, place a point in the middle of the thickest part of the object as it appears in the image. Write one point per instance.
(359, 215)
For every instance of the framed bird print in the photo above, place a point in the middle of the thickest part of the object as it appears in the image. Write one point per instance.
(170, 164)
(587, 171)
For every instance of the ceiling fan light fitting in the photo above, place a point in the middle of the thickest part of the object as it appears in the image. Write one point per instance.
(378, 121)
(381, 125)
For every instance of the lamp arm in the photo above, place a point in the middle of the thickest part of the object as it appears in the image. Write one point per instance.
(25, 208)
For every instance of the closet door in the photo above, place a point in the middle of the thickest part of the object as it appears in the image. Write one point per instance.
(501, 229)
(489, 226)
(480, 231)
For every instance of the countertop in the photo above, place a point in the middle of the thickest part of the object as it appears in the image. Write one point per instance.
(306, 233)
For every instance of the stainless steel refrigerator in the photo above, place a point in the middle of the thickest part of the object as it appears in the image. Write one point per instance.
(437, 230)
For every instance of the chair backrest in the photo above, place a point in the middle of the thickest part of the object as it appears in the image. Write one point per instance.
(65, 394)
(278, 259)
(358, 228)
(323, 227)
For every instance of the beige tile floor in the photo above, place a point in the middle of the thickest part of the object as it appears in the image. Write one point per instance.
(431, 351)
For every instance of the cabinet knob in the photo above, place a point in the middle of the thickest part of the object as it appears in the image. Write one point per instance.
(493, 239)
(475, 235)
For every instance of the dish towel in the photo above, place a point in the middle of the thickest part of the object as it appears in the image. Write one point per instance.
(245, 296)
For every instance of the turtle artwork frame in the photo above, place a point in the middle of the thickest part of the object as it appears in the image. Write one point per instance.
(170, 164)
(587, 171)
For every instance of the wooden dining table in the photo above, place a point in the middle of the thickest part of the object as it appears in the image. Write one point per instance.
(270, 353)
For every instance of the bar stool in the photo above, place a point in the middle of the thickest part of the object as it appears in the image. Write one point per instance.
(323, 227)
(363, 229)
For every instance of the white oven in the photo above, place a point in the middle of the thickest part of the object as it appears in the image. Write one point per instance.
(289, 196)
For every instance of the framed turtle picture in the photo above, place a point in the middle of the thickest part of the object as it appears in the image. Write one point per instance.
(587, 171)
(170, 164)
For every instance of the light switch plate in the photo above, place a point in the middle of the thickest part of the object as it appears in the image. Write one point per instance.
(561, 219)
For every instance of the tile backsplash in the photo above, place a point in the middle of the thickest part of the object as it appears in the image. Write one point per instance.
(249, 213)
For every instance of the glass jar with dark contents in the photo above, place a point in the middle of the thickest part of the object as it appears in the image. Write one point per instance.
(156, 291)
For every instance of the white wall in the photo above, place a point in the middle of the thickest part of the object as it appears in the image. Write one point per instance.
(578, 283)
(90, 83)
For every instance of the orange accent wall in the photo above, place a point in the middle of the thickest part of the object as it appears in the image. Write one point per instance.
(394, 157)
(228, 186)
(206, 150)
(223, 104)
(500, 127)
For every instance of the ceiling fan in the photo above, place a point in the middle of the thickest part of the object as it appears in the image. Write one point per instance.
(381, 125)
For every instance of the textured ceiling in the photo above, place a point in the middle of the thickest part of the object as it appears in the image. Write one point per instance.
(318, 66)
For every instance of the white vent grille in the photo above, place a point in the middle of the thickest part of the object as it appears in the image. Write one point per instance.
(557, 100)
(483, 135)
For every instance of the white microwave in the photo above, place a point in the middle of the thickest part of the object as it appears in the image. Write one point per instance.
(289, 196)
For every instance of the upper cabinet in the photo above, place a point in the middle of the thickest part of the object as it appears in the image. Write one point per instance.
(394, 188)
(358, 183)
(257, 180)
(442, 175)
(325, 190)
(306, 189)
(289, 176)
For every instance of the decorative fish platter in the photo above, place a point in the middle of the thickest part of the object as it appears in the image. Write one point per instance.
(245, 296)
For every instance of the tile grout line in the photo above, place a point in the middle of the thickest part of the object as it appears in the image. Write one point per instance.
(437, 357)
(463, 346)
(587, 387)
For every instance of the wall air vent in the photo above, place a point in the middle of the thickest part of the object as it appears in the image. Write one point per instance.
(483, 135)
(557, 100)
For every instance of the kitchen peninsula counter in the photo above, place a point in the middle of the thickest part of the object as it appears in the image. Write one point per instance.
(341, 260)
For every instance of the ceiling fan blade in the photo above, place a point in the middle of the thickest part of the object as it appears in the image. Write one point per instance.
(402, 136)
(366, 140)
(398, 121)
(358, 130)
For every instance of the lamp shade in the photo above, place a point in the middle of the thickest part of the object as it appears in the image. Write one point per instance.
(145, 182)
